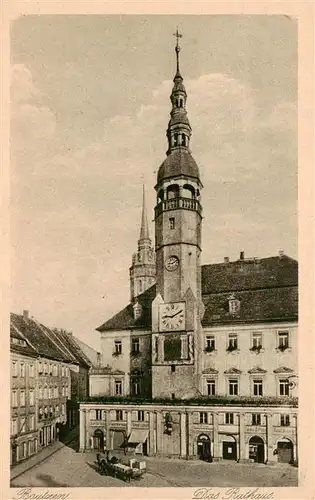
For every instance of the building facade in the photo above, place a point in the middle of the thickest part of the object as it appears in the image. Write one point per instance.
(218, 342)
(49, 375)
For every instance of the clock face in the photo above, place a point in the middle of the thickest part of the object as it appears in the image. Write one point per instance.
(171, 263)
(172, 316)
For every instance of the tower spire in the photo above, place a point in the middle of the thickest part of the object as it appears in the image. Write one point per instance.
(144, 231)
(179, 130)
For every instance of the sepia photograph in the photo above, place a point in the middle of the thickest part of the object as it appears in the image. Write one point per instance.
(154, 251)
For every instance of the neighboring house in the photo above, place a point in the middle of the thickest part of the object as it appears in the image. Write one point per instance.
(203, 363)
(49, 375)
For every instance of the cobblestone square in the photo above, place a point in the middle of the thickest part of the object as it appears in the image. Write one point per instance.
(67, 468)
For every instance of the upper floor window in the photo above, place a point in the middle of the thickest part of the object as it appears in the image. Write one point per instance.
(40, 392)
(233, 387)
(210, 343)
(14, 398)
(135, 387)
(141, 415)
(284, 420)
(118, 347)
(40, 367)
(172, 222)
(119, 415)
(203, 417)
(45, 369)
(256, 340)
(229, 418)
(118, 387)
(233, 343)
(284, 387)
(14, 369)
(13, 427)
(31, 422)
(31, 371)
(211, 387)
(258, 387)
(135, 345)
(22, 370)
(22, 398)
(45, 392)
(283, 339)
(55, 371)
(23, 424)
(32, 399)
(256, 419)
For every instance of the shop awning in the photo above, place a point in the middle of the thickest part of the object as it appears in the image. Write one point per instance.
(138, 436)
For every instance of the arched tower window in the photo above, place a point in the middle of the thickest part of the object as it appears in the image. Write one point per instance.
(181, 102)
(160, 197)
(172, 191)
(188, 191)
(183, 140)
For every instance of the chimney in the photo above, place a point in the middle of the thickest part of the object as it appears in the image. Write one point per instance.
(226, 260)
(281, 254)
(242, 255)
(26, 314)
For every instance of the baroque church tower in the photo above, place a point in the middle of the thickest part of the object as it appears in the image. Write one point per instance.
(142, 270)
(177, 308)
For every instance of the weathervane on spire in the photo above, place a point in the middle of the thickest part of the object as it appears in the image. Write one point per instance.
(177, 47)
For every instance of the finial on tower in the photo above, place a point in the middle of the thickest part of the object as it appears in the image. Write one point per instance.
(177, 48)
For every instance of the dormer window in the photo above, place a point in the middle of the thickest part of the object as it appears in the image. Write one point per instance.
(137, 310)
(234, 304)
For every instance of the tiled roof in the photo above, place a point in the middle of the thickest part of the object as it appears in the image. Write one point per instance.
(27, 349)
(249, 274)
(125, 318)
(44, 341)
(35, 334)
(266, 288)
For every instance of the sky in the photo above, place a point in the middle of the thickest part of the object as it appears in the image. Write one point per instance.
(89, 111)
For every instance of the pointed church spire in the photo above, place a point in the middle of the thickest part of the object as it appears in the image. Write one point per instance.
(142, 270)
(144, 231)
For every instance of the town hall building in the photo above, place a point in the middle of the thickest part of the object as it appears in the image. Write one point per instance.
(202, 362)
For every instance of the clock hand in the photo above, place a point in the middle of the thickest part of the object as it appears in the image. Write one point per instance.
(177, 313)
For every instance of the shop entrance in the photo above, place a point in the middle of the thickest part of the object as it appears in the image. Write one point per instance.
(98, 440)
(257, 449)
(118, 440)
(285, 451)
(229, 450)
(204, 448)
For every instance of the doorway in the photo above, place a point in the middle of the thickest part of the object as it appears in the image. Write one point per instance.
(257, 449)
(285, 451)
(98, 440)
(204, 448)
(229, 450)
(118, 440)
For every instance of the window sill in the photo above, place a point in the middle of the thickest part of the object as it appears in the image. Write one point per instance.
(232, 351)
(257, 351)
(214, 351)
(287, 349)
